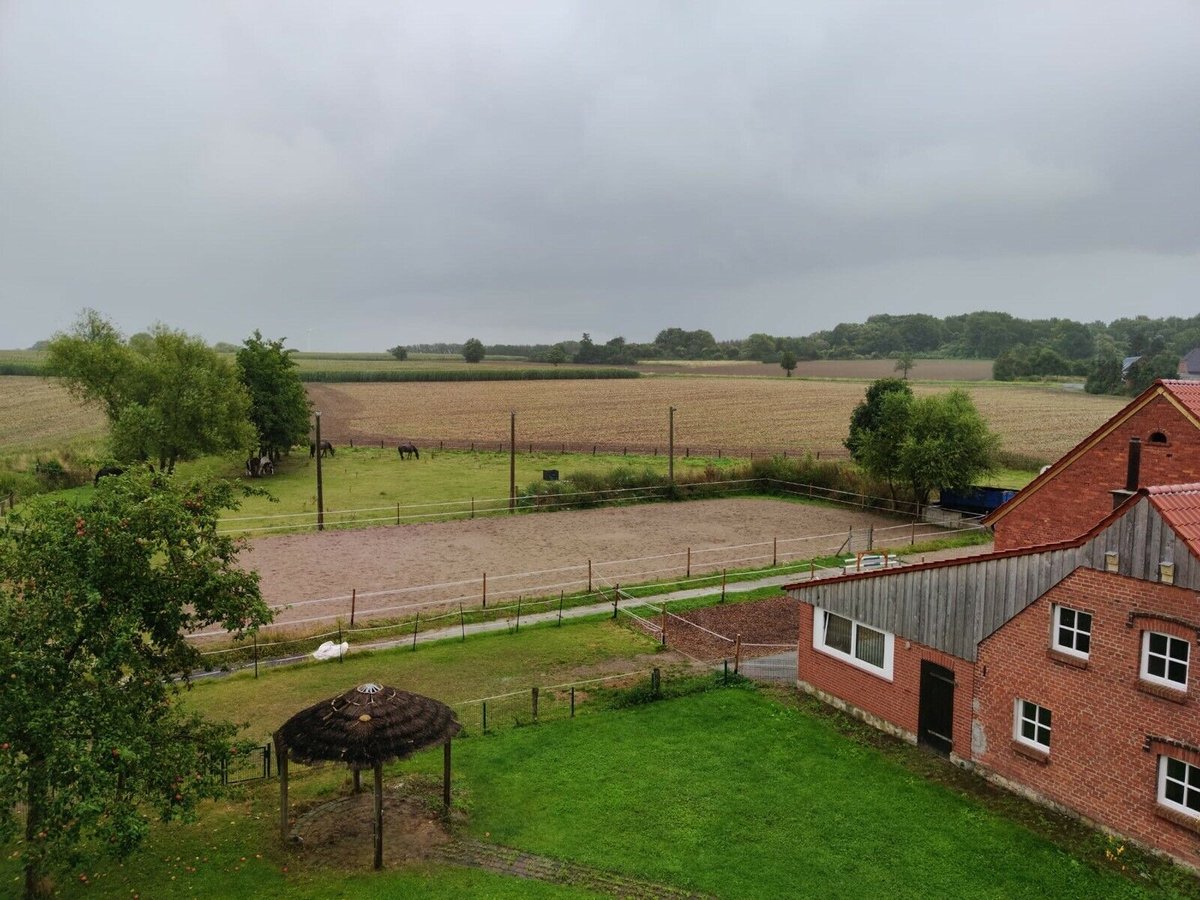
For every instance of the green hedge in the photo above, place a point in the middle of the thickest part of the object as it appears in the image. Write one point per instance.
(463, 374)
(22, 368)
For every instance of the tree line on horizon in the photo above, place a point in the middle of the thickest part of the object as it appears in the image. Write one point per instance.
(1020, 348)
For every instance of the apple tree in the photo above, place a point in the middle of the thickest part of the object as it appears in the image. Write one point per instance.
(96, 598)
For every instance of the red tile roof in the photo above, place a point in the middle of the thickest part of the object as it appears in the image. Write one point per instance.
(1186, 392)
(1179, 505)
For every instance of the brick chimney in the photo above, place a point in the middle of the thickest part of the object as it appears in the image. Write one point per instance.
(1133, 473)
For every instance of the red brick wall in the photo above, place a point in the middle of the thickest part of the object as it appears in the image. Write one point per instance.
(1100, 718)
(1068, 505)
(897, 701)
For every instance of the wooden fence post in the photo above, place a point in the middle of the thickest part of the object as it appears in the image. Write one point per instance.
(572, 701)
(535, 705)
(256, 654)
(737, 654)
(723, 585)
(462, 622)
(518, 612)
(416, 622)
(662, 628)
(397, 513)
(589, 576)
(485, 590)
(353, 603)
(689, 563)
(774, 552)
(485, 717)
(341, 655)
(560, 603)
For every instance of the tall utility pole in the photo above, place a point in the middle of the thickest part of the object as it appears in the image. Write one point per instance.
(671, 446)
(320, 494)
(512, 461)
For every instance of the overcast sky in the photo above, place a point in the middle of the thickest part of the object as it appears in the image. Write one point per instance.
(356, 175)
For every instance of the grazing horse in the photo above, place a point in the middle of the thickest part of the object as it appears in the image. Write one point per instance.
(405, 450)
(105, 471)
(326, 448)
(259, 465)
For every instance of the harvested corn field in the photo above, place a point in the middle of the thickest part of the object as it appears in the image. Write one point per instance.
(735, 415)
(39, 413)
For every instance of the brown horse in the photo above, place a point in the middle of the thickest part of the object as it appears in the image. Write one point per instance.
(406, 450)
(326, 448)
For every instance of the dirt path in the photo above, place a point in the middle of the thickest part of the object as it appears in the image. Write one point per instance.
(541, 553)
(510, 861)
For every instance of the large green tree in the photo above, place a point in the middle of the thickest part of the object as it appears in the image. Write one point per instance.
(279, 407)
(168, 396)
(473, 350)
(924, 443)
(947, 445)
(868, 415)
(95, 600)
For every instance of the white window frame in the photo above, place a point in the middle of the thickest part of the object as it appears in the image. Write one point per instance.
(1165, 801)
(884, 672)
(1019, 716)
(1057, 624)
(1146, 675)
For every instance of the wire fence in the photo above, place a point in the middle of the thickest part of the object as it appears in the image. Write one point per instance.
(534, 706)
(439, 607)
(607, 448)
(477, 507)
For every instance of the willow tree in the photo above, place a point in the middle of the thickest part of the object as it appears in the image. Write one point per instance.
(95, 601)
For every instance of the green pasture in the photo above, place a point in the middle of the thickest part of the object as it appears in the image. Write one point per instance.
(376, 480)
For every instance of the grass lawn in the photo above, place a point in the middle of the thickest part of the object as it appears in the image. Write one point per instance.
(731, 792)
(736, 794)
(451, 671)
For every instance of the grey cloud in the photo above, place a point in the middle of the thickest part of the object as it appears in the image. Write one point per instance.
(380, 172)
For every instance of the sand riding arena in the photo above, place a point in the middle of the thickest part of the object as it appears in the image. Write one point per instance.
(314, 580)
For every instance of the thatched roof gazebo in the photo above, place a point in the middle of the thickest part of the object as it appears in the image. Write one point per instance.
(364, 728)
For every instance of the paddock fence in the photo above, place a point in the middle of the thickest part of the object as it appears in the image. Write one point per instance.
(684, 450)
(532, 706)
(394, 616)
(477, 507)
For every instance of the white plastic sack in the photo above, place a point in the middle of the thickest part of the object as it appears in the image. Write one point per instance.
(330, 650)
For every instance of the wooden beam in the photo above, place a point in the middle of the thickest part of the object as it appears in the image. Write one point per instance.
(378, 815)
(281, 760)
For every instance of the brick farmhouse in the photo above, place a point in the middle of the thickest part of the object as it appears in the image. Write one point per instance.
(1072, 495)
(1063, 664)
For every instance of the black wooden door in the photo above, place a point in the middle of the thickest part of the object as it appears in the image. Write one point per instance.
(935, 717)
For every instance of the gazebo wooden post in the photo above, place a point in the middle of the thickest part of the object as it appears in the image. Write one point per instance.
(446, 775)
(378, 815)
(281, 759)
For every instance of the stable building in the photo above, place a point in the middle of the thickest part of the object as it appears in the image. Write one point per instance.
(1066, 671)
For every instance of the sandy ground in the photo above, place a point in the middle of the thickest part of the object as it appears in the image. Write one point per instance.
(309, 577)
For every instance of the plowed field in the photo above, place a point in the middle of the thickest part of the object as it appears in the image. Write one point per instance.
(734, 415)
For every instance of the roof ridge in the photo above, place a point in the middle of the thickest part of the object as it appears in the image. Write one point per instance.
(1184, 488)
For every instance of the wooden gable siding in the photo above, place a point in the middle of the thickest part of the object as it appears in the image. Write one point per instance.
(953, 607)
